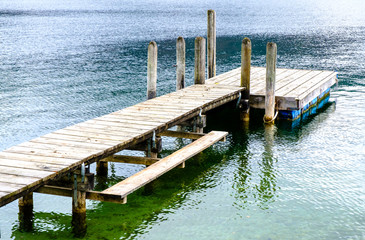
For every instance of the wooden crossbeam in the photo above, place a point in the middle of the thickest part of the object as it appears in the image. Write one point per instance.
(157, 169)
(91, 195)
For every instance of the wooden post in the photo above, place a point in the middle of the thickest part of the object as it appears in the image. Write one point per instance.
(152, 70)
(102, 168)
(245, 77)
(211, 38)
(199, 73)
(271, 51)
(26, 216)
(79, 208)
(180, 63)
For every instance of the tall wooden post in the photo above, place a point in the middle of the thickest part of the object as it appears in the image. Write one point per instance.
(180, 63)
(211, 42)
(199, 73)
(152, 70)
(151, 86)
(26, 216)
(271, 52)
(79, 208)
(246, 77)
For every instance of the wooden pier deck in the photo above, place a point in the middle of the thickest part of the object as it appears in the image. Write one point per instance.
(30, 165)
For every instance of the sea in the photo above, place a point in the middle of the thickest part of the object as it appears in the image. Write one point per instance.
(63, 62)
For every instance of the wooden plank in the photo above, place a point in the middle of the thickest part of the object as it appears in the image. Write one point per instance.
(188, 135)
(120, 122)
(3, 194)
(24, 172)
(34, 149)
(10, 187)
(298, 82)
(32, 165)
(45, 139)
(316, 90)
(115, 136)
(11, 178)
(91, 195)
(132, 159)
(35, 158)
(284, 76)
(311, 84)
(157, 169)
(82, 139)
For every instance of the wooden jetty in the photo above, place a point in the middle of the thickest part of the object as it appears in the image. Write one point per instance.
(58, 163)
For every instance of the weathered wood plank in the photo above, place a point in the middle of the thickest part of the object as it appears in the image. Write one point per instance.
(11, 178)
(34, 149)
(311, 84)
(157, 169)
(10, 187)
(78, 138)
(32, 165)
(91, 195)
(24, 172)
(34, 158)
(132, 159)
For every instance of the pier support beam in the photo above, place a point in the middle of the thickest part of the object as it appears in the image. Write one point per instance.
(199, 72)
(26, 216)
(245, 77)
(180, 63)
(79, 207)
(211, 41)
(271, 52)
(102, 168)
(152, 70)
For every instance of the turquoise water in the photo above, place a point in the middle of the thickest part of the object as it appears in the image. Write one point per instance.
(64, 62)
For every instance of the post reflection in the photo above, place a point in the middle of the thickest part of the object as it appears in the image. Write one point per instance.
(266, 189)
(255, 183)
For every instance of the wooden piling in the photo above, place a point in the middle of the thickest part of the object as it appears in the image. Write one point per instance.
(26, 216)
(79, 209)
(211, 41)
(245, 77)
(199, 72)
(180, 63)
(102, 168)
(152, 70)
(271, 52)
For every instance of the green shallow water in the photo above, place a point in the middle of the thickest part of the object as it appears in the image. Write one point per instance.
(63, 63)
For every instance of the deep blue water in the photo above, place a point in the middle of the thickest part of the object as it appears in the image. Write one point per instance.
(63, 62)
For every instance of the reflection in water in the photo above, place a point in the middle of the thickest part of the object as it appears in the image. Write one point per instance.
(256, 183)
(267, 188)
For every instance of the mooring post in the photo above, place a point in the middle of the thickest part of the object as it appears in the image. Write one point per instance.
(151, 89)
(26, 216)
(199, 71)
(211, 38)
(246, 77)
(79, 207)
(271, 52)
(180, 63)
(152, 70)
(199, 77)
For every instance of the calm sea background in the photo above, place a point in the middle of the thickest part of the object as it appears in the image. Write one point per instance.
(63, 62)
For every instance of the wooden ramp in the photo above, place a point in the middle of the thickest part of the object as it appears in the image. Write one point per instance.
(30, 165)
(154, 171)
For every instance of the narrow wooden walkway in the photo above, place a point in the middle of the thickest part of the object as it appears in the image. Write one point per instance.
(30, 165)
(27, 166)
